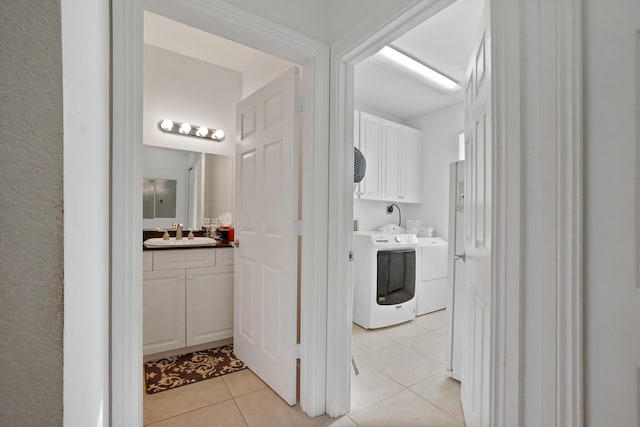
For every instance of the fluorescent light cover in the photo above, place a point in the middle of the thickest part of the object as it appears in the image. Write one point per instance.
(433, 76)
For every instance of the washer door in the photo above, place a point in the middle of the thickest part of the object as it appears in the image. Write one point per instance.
(396, 278)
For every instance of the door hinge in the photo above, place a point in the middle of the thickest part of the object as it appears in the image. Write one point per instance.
(300, 104)
(350, 255)
(299, 227)
(298, 351)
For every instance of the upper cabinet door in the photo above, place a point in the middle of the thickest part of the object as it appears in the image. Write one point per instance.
(411, 171)
(392, 160)
(371, 145)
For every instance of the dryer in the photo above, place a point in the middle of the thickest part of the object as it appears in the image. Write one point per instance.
(431, 283)
(384, 285)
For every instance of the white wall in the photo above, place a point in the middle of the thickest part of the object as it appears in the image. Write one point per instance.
(169, 164)
(372, 214)
(440, 132)
(322, 20)
(345, 16)
(308, 17)
(612, 298)
(184, 89)
(261, 70)
(31, 223)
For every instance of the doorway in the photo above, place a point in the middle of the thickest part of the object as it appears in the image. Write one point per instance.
(196, 77)
(408, 129)
(233, 24)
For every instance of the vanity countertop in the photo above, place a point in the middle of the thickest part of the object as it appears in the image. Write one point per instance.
(149, 234)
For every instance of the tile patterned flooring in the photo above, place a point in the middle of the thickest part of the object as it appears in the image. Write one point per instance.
(402, 382)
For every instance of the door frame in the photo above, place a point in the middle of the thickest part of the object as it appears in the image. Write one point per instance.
(560, 53)
(233, 23)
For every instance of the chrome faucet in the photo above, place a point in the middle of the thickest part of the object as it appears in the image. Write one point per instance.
(178, 228)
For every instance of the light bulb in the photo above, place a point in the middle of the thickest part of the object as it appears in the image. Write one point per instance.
(218, 134)
(166, 124)
(202, 131)
(185, 128)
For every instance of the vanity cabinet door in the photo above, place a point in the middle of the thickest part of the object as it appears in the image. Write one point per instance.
(209, 294)
(163, 310)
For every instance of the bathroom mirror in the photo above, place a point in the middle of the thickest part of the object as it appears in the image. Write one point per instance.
(184, 186)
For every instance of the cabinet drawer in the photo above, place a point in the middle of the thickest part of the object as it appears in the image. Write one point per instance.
(183, 258)
(224, 256)
(147, 261)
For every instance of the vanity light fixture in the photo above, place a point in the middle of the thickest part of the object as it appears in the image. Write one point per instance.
(188, 129)
(430, 74)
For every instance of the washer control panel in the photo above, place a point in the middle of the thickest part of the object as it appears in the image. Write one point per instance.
(406, 238)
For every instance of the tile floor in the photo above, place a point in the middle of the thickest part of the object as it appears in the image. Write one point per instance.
(402, 382)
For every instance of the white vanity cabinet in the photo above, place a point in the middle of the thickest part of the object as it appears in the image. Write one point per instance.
(163, 310)
(209, 302)
(187, 298)
(393, 153)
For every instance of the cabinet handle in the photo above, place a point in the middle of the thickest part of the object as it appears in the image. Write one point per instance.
(400, 197)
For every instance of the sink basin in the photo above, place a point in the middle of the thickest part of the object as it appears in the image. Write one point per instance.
(172, 243)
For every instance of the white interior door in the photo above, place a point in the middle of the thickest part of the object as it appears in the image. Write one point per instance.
(476, 369)
(266, 210)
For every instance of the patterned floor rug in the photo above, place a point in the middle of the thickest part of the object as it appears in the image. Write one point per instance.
(176, 371)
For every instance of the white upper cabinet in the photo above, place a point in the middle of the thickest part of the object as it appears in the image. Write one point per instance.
(392, 161)
(371, 147)
(393, 153)
(411, 171)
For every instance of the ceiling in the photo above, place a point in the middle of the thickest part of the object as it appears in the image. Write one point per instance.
(171, 35)
(443, 42)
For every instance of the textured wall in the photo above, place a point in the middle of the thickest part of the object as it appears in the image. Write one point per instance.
(31, 213)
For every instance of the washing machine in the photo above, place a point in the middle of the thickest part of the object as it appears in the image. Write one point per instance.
(384, 273)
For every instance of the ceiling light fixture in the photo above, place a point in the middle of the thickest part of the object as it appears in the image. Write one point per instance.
(432, 75)
(187, 129)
